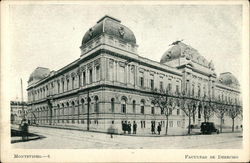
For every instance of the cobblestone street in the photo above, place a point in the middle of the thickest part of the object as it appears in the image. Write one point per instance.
(51, 138)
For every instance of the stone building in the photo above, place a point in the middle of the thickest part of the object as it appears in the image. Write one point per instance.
(112, 83)
(18, 111)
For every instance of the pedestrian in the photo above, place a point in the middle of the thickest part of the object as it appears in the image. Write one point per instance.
(24, 130)
(134, 127)
(123, 127)
(111, 129)
(159, 129)
(129, 127)
(153, 127)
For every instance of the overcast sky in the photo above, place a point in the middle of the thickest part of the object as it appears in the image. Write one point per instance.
(50, 35)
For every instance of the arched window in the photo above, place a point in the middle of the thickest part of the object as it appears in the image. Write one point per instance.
(73, 111)
(123, 105)
(67, 110)
(134, 106)
(82, 110)
(96, 104)
(58, 108)
(113, 105)
(73, 108)
(142, 106)
(67, 85)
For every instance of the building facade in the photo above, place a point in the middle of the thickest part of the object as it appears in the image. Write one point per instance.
(18, 111)
(112, 83)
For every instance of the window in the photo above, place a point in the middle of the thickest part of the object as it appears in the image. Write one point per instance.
(161, 85)
(84, 78)
(121, 74)
(177, 89)
(90, 76)
(123, 106)
(141, 81)
(73, 82)
(58, 87)
(199, 90)
(178, 111)
(152, 110)
(113, 105)
(97, 73)
(170, 111)
(82, 102)
(67, 85)
(171, 124)
(151, 84)
(96, 104)
(142, 107)
(134, 106)
(162, 111)
(169, 87)
(192, 89)
(73, 108)
(178, 123)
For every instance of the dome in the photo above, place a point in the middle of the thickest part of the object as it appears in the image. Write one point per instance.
(39, 73)
(228, 79)
(182, 50)
(110, 26)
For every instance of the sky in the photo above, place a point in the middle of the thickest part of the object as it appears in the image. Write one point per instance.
(50, 35)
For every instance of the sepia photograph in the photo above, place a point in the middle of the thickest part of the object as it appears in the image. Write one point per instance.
(115, 76)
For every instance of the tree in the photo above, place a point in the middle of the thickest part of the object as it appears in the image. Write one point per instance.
(165, 102)
(188, 106)
(233, 111)
(208, 109)
(220, 110)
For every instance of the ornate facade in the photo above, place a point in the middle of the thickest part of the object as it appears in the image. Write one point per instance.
(110, 82)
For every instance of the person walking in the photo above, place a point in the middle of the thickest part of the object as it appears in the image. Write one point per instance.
(159, 129)
(129, 127)
(134, 127)
(123, 127)
(153, 127)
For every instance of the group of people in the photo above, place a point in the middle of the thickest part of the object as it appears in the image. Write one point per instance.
(126, 127)
(153, 128)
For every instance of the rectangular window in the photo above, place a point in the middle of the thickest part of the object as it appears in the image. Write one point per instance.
(73, 82)
(178, 123)
(177, 89)
(161, 85)
(169, 87)
(171, 124)
(178, 111)
(84, 78)
(151, 84)
(97, 73)
(90, 76)
(142, 109)
(152, 110)
(141, 81)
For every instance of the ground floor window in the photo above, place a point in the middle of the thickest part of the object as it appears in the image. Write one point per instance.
(178, 123)
(171, 124)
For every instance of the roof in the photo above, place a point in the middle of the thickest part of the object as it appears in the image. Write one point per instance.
(180, 49)
(39, 73)
(227, 78)
(110, 26)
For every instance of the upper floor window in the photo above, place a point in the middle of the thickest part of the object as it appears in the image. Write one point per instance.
(169, 87)
(177, 89)
(73, 82)
(151, 84)
(97, 73)
(161, 85)
(67, 86)
(84, 78)
(141, 81)
(90, 76)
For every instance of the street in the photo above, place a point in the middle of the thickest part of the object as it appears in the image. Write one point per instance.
(52, 138)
